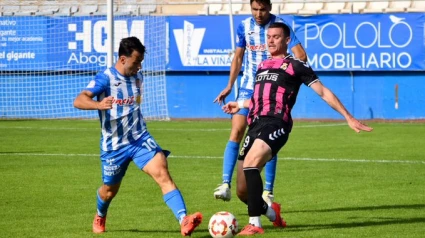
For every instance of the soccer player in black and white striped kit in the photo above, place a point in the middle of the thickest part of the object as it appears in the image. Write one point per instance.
(277, 82)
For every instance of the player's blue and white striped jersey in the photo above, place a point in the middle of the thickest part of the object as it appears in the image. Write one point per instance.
(123, 124)
(253, 38)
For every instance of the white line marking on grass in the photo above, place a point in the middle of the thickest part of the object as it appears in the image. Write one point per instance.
(155, 129)
(356, 160)
(220, 157)
(44, 154)
(48, 128)
(315, 160)
(321, 125)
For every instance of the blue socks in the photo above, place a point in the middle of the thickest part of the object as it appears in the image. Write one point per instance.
(229, 161)
(175, 202)
(173, 199)
(102, 206)
(230, 157)
(270, 173)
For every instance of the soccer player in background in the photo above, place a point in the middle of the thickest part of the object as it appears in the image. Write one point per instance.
(277, 83)
(251, 37)
(125, 137)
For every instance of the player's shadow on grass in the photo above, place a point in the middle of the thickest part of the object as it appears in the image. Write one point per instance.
(143, 231)
(374, 221)
(175, 231)
(385, 221)
(367, 208)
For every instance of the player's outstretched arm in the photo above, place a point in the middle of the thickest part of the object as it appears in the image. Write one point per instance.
(330, 98)
(235, 68)
(357, 126)
(85, 101)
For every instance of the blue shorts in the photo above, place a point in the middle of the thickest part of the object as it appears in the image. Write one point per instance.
(244, 94)
(115, 163)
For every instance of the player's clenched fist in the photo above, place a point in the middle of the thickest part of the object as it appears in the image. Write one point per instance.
(106, 103)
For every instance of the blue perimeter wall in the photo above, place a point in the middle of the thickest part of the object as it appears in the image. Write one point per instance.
(361, 57)
(367, 95)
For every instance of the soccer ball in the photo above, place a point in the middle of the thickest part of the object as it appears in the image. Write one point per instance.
(223, 224)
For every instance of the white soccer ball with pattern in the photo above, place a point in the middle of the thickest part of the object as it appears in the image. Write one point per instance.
(223, 224)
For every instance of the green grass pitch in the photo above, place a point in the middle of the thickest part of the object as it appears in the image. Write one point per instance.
(331, 181)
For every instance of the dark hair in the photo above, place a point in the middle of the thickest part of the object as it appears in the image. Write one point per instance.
(263, 2)
(283, 26)
(130, 44)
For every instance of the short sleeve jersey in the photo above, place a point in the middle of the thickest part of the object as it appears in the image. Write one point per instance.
(253, 38)
(124, 123)
(276, 88)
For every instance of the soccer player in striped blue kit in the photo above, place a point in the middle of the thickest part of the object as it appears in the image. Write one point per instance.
(276, 87)
(125, 137)
(251, 43)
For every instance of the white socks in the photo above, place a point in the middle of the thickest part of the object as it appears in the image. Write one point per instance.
(256, 221)
(270, 214)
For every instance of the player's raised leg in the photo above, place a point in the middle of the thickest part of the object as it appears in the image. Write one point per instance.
(254, 160)
(261, 151)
